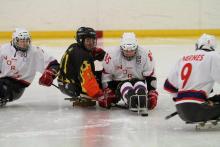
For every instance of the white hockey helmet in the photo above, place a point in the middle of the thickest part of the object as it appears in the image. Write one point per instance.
(206, 42)
(21, 39)
(129, 45)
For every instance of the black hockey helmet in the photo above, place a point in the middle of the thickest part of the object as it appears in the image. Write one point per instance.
(84, 32)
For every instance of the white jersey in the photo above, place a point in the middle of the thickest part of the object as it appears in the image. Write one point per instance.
(117, 68)
(20, 65)
(194, 72)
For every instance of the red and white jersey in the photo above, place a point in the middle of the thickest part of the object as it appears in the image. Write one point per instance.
(117, 68)
(20, 65)
(193, 76)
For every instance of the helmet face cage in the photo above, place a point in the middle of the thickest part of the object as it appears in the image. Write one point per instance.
(83, 33)
(129, 52)
(21, 39)
(129, 45)
(206, 42)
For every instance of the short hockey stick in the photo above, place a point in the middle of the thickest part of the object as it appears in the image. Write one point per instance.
(171, 115)
(55, 85)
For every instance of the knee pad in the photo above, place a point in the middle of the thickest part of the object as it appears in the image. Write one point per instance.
(140, 88)
(126, 91)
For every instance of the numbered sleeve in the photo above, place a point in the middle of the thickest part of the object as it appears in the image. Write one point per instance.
(149, 67)
(108, 69)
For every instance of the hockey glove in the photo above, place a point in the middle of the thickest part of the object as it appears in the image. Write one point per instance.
(110, 95)
(47, 78)
(98, 54)
(103, 102)
(152, 99)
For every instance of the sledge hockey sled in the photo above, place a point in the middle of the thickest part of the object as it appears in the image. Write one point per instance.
(209, 124)
(82, 100)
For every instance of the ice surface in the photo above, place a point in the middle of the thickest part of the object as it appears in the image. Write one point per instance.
(41, 117)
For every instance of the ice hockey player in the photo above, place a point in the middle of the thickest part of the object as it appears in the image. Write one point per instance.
(130, 70)
(19, 62)
(192, 79)
(77, 70)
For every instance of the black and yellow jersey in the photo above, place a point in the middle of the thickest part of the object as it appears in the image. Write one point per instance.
(77, 66)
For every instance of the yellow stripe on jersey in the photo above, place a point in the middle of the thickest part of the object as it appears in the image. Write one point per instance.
(66, 59)
(63, 64)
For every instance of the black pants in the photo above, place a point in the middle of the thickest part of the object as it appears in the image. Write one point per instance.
(75, 89)
(193, 112)
(11, 89)
(70, 89)
(116, 86)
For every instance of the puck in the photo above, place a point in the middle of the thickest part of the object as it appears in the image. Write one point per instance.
(144, 114)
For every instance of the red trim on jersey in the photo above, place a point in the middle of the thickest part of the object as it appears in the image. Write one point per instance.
(190, 98)
(22, 81)
(169, 90)
(151, 73)
(195, 96)
(51, 63)
(169, 87)
(193, 91)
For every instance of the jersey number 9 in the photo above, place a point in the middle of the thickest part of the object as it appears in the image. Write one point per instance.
(185, 73)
